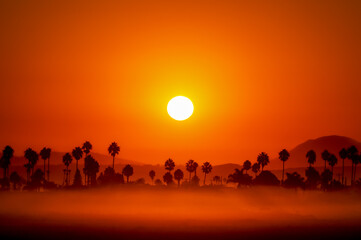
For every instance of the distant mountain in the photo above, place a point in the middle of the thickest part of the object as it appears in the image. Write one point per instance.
(332, 143)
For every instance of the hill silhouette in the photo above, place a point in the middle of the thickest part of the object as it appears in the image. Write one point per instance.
(332, 143)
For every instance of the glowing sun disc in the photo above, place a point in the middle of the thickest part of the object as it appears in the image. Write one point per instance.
(180, 108)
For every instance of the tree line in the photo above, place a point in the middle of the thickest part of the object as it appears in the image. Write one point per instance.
(40, 178)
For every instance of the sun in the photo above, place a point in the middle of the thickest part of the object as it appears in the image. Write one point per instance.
(180, 108)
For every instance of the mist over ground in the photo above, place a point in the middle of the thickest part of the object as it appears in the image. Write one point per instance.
(145, 213)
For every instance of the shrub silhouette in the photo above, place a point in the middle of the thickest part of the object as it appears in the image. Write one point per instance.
(91, 168)
(195, 181)
(311, 157)
(294, 180)
(217, 179)
(77, 179)
(5, 159)
(247, 165)
(266, 178)
(113, 150)
(168, 178)
(263, 159)
(37, 179)
(15, 179)
(152, 174)
(326, 177)
(283, 156)
(255, 168)
(178, 175)
(110, 177)
(313, 178)
(240, 178)
(128, 171)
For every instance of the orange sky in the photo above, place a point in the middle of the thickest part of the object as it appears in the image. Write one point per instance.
(263, 75)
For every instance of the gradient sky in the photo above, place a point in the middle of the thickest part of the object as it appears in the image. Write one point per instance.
(263, 75)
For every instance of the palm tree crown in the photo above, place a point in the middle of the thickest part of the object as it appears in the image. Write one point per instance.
(113, 150)
(311, 157)
(263, 159)
(169, 165)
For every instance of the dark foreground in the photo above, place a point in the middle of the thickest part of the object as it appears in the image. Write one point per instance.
(170, 214)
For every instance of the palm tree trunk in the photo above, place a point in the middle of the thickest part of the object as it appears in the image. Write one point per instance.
(190, 176)
(283, 171)
(343, 170)
(44, 166)
(4, 172)
(48, 169)
(127, 179)
(178, 183)
(77, 165)
(113, 161)
(325, 164)
(352, 174)
(205, 174)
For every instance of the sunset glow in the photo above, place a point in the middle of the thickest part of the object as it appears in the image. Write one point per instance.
(180, 108)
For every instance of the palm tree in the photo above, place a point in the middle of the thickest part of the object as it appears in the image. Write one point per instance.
(77, 153)
(351, 155)
(206, 168)
(190, 168)
(247, 165)
(87, 146)
(283, 156)
(356, 160)
(113, 150)
(195, 166)
(91, 168)
(128, 171)
(217, 179)
(332, 160)
(67, 159)
(311, 157)
(168, 178)
(263, 159)
(178, 175)
(255, 168)
(343, 156)
(8, 153)
(325, 155)
(15, 179)
(169, 165)
(32, 158)
(152, 174)
(45, 155)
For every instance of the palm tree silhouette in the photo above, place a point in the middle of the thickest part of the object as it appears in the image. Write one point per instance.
(15, 179)
(332, 160)
(45, 155)
(168, 178)
(8, 153)
(190, 168)
(128, 171)
(283, 156)
(87, 146)
(351, 155)
(355, 160)
(77, 154)
(152, 174)
(247, 165)
(178, 175)
(91, 168)
(113, 150)
(206, 168)
(32, 158)
(325, 155)
(343, 156)
(311, 157)
(169, 165)
(195, 166)
(255, 168)
(37, 178)
(67, 159)
(263, 159)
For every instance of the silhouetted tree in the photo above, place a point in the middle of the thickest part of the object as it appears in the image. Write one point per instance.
(110, 177)
(326, 177)
(332, 160)
(15, 179)
(158, 182)
(355, 160)
(311, 157)
(352, 155)
(168, 178)
(195, 180)
(91, 168)
(283, 156)
(8, 153)
(294, 180)
(263, 159)
(113, 150)
(178, 175)
(266, 178)
(195, 166)
(313, 178)
(343, 156)
(217, 179)
(67, 159)
(45, 155)
(77, 153)
(247, 165)
(32, 158)
(77, 179)
(255, 168)
(37, 179)
(325, 155)
(190, 168)
(240, 178)
(128, 171)
(87, 146)
(152, 174)
(206, 168)
(169, 165)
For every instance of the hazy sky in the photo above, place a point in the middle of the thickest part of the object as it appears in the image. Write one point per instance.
(263, 75)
